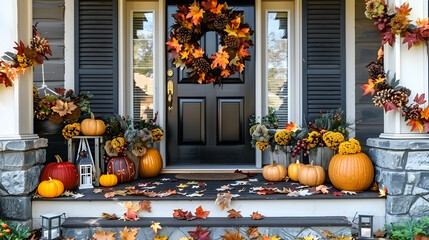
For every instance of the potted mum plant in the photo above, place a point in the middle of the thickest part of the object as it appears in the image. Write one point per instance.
(51, 112)
(133, 141)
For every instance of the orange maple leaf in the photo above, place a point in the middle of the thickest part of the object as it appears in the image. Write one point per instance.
(368, 88)
(200, 213)
(380, 53)
(291, 126)
(242, 33)
(242, 53)
(225, 73)
(415, 124)
(221, 60)
(240, 67)
(425, 113)
(173, 44)
(201, 78)
(102, 235)
(404, 9)
(235, 23)
(198, 53)
(382, 192)
(195, 13)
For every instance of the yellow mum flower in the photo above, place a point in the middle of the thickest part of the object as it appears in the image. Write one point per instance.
(333, 139)
(313, 139)
(282, 137)
(350, 147)
(262, 146)
(71, 130)
(118, 143)
(157, 134)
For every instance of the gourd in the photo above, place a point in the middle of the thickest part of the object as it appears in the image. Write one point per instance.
(351, 172)
(122, 167)
(92, 126)
(293, 170)
(274, 172)
(50, 188)
(66, 172)
(311, 175)
(108, 180)
(150, 163)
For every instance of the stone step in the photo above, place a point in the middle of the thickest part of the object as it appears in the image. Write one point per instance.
(283, 227)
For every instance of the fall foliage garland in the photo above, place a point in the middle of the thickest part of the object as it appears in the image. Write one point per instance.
(192, 22)
(383, 87)
(26, 56)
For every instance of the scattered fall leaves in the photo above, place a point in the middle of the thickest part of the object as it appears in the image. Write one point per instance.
(109, 216)
(257, 216)
(200, 213)
(145, 205)
(232, 236)
(129, 234)
(163, 237)
(253, 232)
(200, 234)
(380, 234)
(223, 200)
(382, 192)
(155, 227)
(102, 235)
(234, 214)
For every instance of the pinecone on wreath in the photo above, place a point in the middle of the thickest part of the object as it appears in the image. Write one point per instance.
(399, 98)
(382, 96)
(220, 22)
(411, 112)
(375, 70)
(201, 65)
(183, 34)
(232, 41)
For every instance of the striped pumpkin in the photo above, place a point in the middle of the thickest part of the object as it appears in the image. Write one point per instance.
(123, 168)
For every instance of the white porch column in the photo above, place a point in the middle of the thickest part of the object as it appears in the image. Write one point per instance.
(411, 67)
(16, 103)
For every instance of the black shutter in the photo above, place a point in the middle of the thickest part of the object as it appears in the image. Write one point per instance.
(323, 56)
(96, 53)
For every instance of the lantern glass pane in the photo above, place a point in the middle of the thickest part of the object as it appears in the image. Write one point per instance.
(45, 223)
(55, 222)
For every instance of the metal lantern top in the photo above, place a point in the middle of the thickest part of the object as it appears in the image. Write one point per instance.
(84, 159)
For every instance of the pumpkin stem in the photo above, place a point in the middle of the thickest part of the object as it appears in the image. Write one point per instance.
(312, 163)
(297, 161)
(50, 179)
(274, 162)
(92, 116)
(59, 160)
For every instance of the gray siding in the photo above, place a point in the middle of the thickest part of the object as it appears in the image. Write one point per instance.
(50, 16)
(369, 119)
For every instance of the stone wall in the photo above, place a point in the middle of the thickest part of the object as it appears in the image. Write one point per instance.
(20, 164)
(402, 166)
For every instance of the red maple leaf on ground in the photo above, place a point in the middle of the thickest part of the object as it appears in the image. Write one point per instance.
(200, 234)
(200, 213)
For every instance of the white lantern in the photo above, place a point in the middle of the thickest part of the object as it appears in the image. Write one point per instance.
(365, 226)
(85, 171)
(51, 225)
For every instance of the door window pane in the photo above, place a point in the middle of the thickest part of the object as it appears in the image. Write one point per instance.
(277, 64)
(143, 76)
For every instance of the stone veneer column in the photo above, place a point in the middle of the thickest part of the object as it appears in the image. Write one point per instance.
(402, 166)
(21, 153)
(20, 164)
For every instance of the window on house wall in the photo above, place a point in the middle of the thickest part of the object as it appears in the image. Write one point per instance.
(142, 66)
(277, 64)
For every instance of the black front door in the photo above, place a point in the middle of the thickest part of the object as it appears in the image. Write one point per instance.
(208, 124)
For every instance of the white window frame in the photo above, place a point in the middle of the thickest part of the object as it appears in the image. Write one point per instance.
(293, 8)
(125, 51)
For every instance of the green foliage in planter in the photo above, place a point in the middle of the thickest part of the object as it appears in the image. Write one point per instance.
(13, 231)
(408, 229)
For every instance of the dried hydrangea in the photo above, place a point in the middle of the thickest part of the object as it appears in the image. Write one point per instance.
(374, 8)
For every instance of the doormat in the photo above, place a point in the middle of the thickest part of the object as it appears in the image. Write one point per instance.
(211, 176)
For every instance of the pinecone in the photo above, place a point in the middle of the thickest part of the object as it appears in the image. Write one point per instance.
(40, 44)
(382, 96)
(232, 41)
(220, 22)
(201, 65)
(399, 98)
(183, 34)
(382, 85)
(411, 112)
(69, 93)
(375, 69)
(405, 91)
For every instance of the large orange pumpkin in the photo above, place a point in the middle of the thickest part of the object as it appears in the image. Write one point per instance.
(92, 127)
(293, 169)
(351, 172)
(274, 172)
(150, 163)
(50, 188)
(311, 175)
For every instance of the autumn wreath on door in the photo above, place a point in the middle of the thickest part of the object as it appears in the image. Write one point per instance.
(191, 23)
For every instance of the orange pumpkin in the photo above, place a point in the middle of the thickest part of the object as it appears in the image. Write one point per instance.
(311, 175)
(274, 172)
(293, 169)
(150, 163)
(50, 188)
(108, 180)
(351, 172)
(92, 127)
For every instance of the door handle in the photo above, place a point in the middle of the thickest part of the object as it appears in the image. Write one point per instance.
(170, 93)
